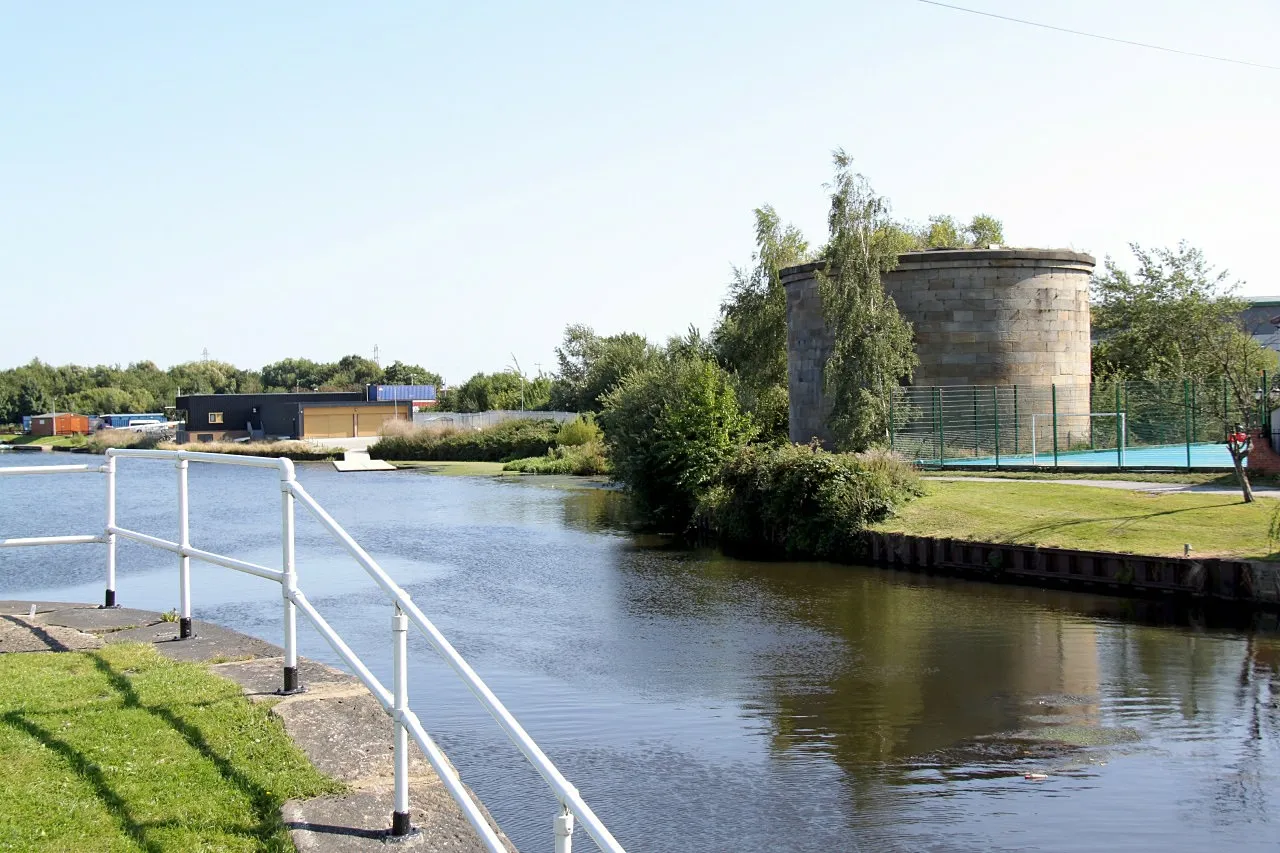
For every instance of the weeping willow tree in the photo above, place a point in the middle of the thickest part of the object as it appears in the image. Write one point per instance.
(751, 338)
(872, 348)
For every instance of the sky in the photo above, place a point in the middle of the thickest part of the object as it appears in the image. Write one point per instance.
(454, 184)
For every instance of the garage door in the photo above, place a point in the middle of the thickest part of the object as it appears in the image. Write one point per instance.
(370, 420)
(326, 423)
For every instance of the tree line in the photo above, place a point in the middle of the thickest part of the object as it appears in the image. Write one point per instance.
(36, 388)
(675, 412)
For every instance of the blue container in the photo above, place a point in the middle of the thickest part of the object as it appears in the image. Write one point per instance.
(115, 421)
(387, 393)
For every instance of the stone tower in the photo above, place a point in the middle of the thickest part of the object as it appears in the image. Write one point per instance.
(980, 316)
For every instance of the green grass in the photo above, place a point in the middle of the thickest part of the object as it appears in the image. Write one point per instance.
(123, 750)
(455, 469)
(1227, 479)
(1090, 518)
(45, 440)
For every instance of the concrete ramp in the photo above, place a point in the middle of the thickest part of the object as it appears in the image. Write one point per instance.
(358, 460)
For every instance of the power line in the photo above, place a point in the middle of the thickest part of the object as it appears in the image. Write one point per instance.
(1103, 38)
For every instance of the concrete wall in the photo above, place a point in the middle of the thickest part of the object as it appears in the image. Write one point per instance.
(981, 317)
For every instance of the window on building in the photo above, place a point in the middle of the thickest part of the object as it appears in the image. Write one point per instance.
(215, 417)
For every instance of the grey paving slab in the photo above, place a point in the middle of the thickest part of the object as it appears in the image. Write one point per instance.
(347, 737)
(101, 619)
(262, 677)
(21, 634)
(358, 821)
(23, 606)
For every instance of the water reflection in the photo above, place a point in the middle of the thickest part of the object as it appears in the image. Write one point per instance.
(705, 703)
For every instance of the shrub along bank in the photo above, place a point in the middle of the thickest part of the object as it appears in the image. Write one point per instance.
(793, 501)
(578, 451)
(585, 460)
(504, 442)
(678, 439)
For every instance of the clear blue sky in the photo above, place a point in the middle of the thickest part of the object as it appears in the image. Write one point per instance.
(456, 184)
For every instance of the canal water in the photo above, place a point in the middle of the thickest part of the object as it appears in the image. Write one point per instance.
(704, 703)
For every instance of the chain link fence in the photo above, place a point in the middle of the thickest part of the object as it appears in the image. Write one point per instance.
(1121, 424)
(481, 420)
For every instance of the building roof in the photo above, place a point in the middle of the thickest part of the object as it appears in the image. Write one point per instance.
(1262, 316)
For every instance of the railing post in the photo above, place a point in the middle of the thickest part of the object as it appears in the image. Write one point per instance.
(289, 585)
(109, 469)
(891, 447)
(400, 825)
(942, 429)
(1121, 428)
(1186, 417)
(1053, 392)
(184, 562)
(995, 409)
(975, 421)
(564, 831)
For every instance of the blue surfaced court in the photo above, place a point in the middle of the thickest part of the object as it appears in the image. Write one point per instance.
(1159, 456)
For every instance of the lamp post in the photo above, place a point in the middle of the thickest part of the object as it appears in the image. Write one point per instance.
(519, 373)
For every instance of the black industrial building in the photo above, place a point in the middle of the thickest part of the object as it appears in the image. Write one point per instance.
(317, 414)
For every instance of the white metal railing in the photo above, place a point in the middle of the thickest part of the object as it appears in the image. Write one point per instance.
(396, 700)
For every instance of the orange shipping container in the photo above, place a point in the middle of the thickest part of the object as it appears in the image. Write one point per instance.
(60, 423)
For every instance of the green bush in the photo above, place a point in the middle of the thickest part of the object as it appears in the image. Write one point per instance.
(577, 432)
(582, 460)
(799, 502)
(668, 429)
(501, 443)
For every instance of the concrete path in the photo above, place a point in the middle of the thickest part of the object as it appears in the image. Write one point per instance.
(1131, 485)
(336, 722)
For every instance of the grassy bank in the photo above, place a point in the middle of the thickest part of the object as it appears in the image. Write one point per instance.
(501, 443)
(299, 451)
(458, 469)
(584, 460)
(1226, 479)
(1090, 518)
(57, 441)
(525, 446)
(120, 749)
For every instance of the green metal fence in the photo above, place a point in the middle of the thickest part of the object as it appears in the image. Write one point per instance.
(1180, 424)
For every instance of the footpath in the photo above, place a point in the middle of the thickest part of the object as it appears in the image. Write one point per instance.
(336, 722)
(1128, 485)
